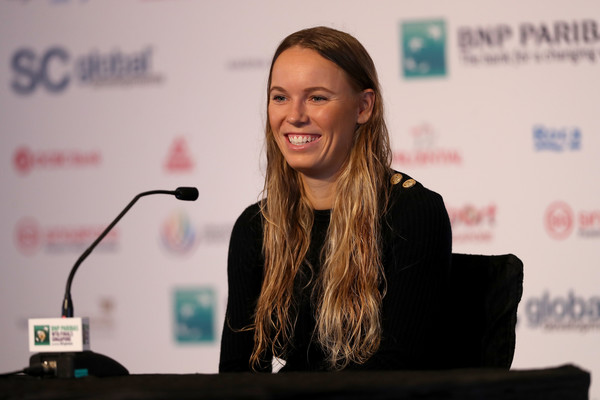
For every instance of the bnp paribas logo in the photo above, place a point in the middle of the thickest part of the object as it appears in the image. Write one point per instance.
(195, 314)
(41, 333)
(423, 48)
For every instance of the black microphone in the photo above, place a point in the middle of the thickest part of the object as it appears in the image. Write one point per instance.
(186, 193)
(181, 193)
(73, 364)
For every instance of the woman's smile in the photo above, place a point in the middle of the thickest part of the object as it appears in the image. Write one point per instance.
(300, 140)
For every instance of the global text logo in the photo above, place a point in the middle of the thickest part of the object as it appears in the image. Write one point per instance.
(423, 48)
(570, 312)
(54, 69)
(556, 139)
(25, 159)
(473, 223)
(560, 221)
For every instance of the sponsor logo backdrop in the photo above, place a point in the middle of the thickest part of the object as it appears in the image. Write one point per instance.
(494, 107)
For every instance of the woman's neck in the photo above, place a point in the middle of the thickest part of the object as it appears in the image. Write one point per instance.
(319, 192)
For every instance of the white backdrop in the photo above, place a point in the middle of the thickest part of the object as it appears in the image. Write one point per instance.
(494, 106)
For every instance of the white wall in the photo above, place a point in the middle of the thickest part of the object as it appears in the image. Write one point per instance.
(508, 134)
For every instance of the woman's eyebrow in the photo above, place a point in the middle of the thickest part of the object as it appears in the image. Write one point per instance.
(307, 90)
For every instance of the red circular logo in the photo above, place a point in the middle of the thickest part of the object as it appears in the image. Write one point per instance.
(23, 160)
(559, 220)
(27, 235)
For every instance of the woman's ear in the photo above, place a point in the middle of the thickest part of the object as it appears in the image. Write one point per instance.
(366, 103)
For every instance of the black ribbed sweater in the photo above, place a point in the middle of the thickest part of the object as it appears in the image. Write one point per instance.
(416, 256)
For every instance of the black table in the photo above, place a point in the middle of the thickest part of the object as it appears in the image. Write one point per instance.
(565, 382)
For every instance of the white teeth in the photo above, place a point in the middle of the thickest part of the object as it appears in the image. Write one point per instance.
(298, 140)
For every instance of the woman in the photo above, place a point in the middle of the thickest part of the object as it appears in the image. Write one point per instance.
(343, 263)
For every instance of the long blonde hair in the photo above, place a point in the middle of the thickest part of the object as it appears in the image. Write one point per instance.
(350, 281)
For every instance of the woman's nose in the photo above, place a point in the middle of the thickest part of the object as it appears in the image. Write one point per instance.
(297, 114)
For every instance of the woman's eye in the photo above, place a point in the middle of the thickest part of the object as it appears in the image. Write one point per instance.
(278, 98)
(318, 99)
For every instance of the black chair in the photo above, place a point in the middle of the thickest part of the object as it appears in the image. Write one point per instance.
(485, 292)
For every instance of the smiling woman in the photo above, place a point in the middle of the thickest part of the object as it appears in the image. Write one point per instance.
(313, 113)
(344, 263)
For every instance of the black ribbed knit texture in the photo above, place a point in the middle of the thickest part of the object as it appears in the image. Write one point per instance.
(416, 256)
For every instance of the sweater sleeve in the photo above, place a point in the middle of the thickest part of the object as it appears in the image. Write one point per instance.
(244, 279)
(416, 256)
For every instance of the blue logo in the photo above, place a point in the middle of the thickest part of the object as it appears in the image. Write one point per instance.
(556, 139)
(47, 70)
(571, 312)
(195, 315)
(54, 69)
(423, 48)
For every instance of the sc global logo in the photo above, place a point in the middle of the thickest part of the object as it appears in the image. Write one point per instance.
(48, 70)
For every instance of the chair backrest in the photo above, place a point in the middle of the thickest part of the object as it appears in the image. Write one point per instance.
(485, 292)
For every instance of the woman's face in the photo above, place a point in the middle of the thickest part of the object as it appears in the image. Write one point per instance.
(314, 111)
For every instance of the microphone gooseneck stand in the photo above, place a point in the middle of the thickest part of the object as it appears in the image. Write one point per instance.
(76, 364)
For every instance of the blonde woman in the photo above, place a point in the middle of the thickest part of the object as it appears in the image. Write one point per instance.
(343, 263)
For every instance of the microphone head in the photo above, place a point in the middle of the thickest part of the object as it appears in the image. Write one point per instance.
(186, 193)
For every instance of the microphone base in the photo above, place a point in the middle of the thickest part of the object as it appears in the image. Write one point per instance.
(77, 364)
